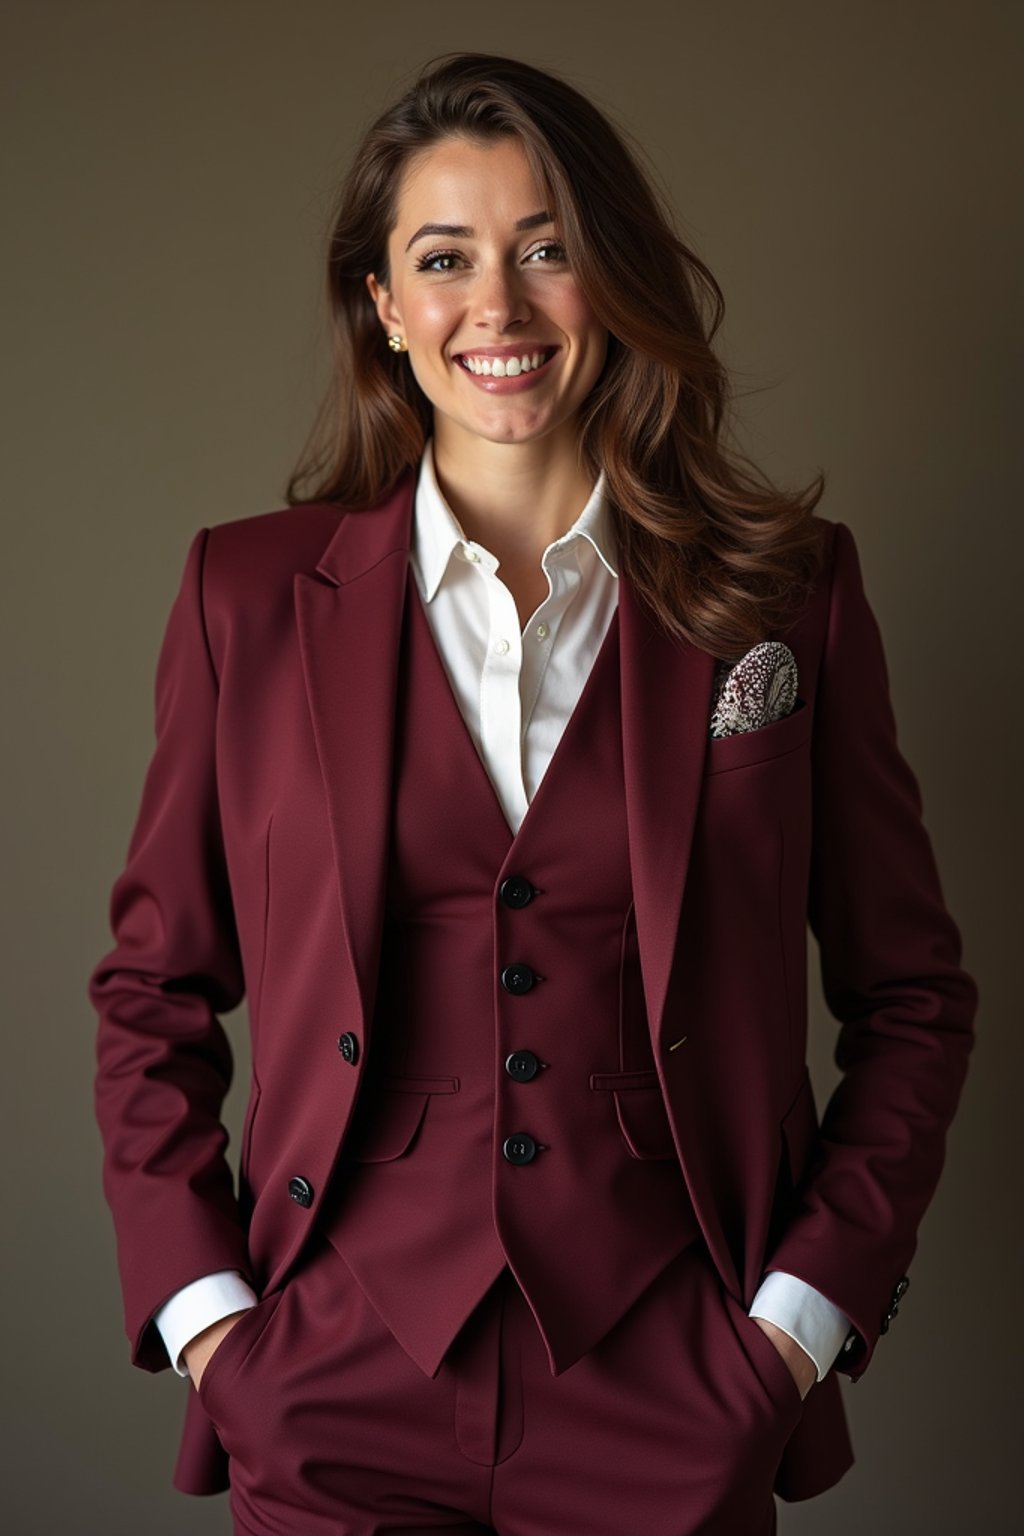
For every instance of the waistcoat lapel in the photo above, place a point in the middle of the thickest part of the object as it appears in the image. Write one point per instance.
(349, 618)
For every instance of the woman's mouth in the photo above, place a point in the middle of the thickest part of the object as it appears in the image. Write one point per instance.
(510, 367)
(508, 373)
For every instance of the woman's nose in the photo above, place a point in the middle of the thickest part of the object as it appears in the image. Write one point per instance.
(499, 298)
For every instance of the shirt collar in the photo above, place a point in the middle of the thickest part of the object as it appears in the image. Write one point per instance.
(438, 531)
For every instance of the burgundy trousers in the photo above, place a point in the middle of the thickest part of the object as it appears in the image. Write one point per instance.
(674, 1424)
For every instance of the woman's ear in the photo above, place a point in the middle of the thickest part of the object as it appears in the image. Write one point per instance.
(384, 304)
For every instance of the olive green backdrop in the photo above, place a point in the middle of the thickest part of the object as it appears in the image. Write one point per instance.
(846, 172)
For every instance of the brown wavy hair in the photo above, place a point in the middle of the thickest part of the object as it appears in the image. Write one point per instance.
(717, 554)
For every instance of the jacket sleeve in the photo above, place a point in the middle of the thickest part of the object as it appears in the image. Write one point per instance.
(890, 965)
(163, 1059)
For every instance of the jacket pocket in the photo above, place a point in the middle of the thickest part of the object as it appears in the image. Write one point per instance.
(236, 1345)
(639, 1111)
(385, 1125)
(745, 748)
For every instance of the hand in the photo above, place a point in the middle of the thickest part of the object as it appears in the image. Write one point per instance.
(197, 1351)
(802, 1368)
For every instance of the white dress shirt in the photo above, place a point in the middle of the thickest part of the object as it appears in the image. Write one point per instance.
(516, 690)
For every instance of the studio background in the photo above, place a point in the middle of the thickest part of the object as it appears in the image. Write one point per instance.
(846, 173)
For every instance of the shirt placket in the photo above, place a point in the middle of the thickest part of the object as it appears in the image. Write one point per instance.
(561, 567)
(500, 706)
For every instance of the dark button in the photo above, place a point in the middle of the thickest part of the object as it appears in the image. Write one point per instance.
(902, 1288)
(520, 1148)
(517, 978)
(522, 1065)
(301, 1191)
(348, 1045)
(516, 891)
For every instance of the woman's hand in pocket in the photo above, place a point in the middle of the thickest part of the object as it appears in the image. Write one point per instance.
(197, 1351)
(801, 1367)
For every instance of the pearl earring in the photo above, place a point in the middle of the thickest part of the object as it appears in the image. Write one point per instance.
(398, 343)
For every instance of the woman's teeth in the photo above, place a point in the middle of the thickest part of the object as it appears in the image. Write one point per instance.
(504, 367)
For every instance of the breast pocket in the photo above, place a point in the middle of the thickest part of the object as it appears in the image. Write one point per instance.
(387, 1121)
(745, 748)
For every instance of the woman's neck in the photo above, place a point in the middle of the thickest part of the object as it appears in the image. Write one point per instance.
(513, 498)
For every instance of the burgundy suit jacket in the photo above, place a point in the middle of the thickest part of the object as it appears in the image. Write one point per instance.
(275, 687)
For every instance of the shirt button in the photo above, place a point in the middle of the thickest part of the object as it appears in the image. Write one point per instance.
(471, 554)
(542, 631)
(501, 646)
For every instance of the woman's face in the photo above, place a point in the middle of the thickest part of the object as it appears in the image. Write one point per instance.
(501, 339)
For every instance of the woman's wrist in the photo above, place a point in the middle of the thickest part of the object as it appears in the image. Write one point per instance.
(196, 1353)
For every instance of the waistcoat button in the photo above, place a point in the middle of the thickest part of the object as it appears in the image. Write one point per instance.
(520, 1148)
(516, 891)
(522, 1065)
(301, 1191)
(348, 1045)
(517, 978)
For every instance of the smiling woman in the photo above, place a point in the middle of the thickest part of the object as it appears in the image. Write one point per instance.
(501, 339)
(536, 1229)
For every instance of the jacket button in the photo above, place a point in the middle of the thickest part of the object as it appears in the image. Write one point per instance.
(901, 1289)
(517, 978)
(348, 1045)
(516, 891)
(301, 1191)
(520, 1148)
(522, 1065)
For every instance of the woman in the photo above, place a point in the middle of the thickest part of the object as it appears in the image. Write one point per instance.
(466, 776)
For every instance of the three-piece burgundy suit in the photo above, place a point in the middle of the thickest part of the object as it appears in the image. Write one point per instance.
(558, 1074)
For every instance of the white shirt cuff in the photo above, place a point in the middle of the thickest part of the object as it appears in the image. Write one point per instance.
(805, 1314)
(198, 1305)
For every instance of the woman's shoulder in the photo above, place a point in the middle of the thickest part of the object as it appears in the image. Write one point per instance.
(272, 545)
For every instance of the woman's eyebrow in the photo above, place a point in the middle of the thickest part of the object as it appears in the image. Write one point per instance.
(463, 231)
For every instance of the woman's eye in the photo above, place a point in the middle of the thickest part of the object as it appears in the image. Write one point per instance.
(427, 263)
(550, 245)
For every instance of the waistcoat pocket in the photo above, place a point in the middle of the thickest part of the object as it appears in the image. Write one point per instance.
(387, 1122)
(639, 1111)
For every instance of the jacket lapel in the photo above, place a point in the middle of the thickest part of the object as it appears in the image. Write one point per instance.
(666, 702)
(666, 697)
(349, 618)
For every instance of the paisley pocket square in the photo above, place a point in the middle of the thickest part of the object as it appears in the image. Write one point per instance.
(758, 689)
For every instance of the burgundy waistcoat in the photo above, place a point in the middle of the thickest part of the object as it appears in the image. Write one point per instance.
(511, 1112)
